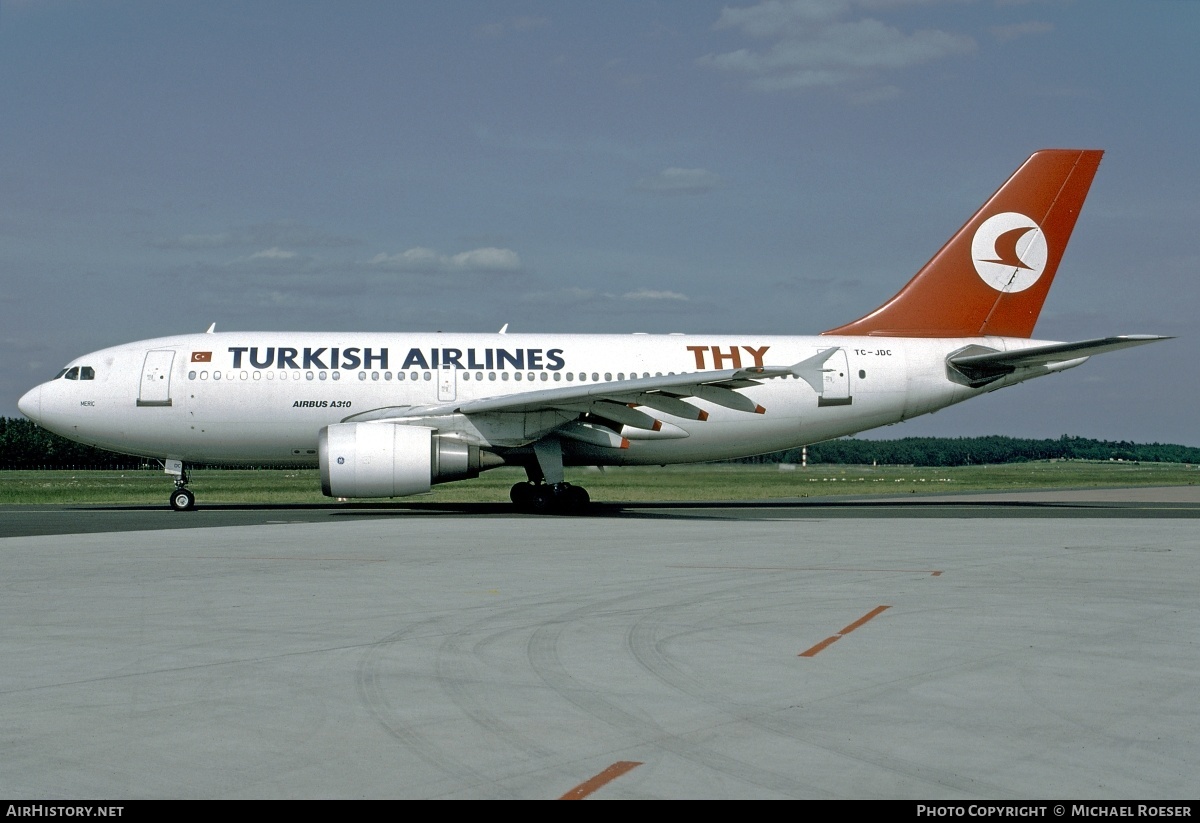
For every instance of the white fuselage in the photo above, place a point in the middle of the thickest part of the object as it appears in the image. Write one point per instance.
(263, 397)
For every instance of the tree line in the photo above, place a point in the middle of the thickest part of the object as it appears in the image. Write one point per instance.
(975, 451)
(25, 445)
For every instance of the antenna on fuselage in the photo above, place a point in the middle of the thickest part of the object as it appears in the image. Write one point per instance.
(211, 329)
(503, 329)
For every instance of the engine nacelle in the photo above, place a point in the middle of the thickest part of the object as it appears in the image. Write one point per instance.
(391, 460)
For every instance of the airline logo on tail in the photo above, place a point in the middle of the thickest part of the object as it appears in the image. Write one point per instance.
(1009, 251)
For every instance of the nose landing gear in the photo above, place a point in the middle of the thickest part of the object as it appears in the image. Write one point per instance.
(182, 499)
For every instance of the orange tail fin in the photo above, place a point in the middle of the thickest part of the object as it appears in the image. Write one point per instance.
(993, 275)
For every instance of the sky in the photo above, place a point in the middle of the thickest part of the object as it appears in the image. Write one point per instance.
(780, 167)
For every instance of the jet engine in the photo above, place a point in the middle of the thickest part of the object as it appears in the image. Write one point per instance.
(393, 460)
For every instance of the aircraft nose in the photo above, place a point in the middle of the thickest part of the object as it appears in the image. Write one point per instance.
(30, 404)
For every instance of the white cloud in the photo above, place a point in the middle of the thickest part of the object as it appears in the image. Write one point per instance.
(679, 181)
(486, 259)
(648, 294)
(274, 253)
(423, 260)
(278, 233)
(777, 17)
(812, 45)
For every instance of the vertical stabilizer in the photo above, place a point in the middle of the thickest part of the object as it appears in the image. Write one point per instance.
(992, 276)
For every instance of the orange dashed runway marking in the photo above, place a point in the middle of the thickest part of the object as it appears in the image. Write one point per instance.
(875, 612)
(607, 776)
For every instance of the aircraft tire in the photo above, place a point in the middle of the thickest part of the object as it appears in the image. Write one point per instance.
(543, 500)
(521, 494)
(183, 500)
(575, 499)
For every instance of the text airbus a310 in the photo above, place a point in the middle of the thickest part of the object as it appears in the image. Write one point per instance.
(389, 414)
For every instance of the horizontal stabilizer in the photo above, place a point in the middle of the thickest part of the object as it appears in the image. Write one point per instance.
(981, 367)
(812, 369)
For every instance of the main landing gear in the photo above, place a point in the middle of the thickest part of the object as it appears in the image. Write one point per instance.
(547, 492)
(548, 498)
(182, 499)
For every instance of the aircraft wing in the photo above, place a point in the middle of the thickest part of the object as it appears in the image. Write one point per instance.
(989, 365)
(615, 399)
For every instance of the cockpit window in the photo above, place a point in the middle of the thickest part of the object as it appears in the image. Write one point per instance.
(77, 373)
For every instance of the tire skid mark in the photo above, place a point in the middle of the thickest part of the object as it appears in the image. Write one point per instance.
(374, 694)
(463, 674)
(646, 641)
(787, 723)
(544, 656)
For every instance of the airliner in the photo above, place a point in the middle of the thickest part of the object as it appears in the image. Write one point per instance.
(390, 414)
